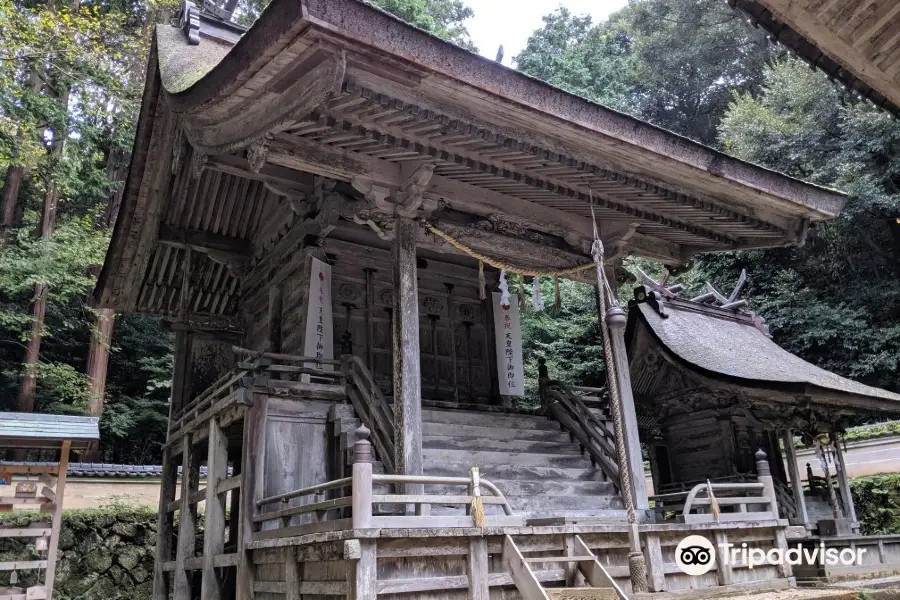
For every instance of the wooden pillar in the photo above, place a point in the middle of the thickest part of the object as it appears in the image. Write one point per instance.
(253, 459)
(165, 527)
(478, 571)
(53, 550)
(364, 575)
(407, 368)
(656, 565)
(787, 439)
(843, 480)
(724, 568)
(214, 527)
(187, 521)
(616, 320)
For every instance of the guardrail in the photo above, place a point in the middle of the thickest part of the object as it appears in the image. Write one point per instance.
(358, 508)
(371, 407)
(592, 433)
(735, 501)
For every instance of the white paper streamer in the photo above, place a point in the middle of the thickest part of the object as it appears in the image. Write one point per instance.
(536, 301)
(504, 289)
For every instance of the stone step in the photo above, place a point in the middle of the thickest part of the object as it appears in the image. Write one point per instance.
(456, 468)
(499, 443)
(496, 420)
(487, 431)
(553, 487)
(553, 504)
(582, 594)
(490, 458)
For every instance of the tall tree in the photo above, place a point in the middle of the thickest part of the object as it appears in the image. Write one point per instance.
(836, 300)
(672, 62)
(443, 18)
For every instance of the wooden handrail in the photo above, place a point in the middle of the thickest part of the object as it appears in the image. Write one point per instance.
(692, 502)
(591, 432)
(371, 407)
(362, 500)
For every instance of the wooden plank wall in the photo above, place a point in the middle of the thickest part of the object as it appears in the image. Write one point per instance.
(700, 446)
(296, 451)
(455, 324)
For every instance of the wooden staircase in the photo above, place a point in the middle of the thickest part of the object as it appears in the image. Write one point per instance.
(539, 468)
(599, 585)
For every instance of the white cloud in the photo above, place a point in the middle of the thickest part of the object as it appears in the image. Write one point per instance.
(511, 22)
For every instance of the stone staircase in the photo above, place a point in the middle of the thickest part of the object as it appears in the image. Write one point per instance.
(542, 473)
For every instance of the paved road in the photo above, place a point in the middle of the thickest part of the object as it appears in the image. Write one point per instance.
(865, 457)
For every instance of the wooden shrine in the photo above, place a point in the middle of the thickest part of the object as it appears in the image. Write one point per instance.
(326, 208)
(38, 487)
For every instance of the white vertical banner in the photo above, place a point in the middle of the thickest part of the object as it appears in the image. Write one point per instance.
(319, 341)
(508, 334)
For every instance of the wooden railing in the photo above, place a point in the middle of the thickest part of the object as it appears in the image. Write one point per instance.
(371, 407)
(687, 486)
(592, 433)
(785, 499)
(735, 501)
(361, 506)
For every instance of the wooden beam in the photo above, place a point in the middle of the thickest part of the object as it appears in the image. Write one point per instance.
(303, 155)
(53, 550)
(205, 241)
(279, 177)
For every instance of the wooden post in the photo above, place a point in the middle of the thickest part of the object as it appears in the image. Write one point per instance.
(253, 459)
(292, 575)
(656, 566)
(843, 480)
(364, 578)
(724, 568)
(616, 320)
(787, 439)
(214, 527)
(53, 550)
(765, 477)
(479, 584)
(407, 368)
(187, 521)
(362, 480)
(164, 527)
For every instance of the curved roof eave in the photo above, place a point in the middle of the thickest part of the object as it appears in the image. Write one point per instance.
(363, 26)
(740, 354)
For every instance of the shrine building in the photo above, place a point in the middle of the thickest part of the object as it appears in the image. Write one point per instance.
(335, 212)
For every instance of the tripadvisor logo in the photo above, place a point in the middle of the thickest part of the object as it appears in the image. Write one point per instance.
(696, 555)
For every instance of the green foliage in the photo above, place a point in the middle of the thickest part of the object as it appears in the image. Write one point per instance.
(569, 341)
(443, 18)
(672, 62)
(836, 300)
(877, 502)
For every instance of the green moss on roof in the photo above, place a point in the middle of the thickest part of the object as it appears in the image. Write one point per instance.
(182, 65)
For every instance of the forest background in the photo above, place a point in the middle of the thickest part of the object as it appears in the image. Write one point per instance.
(71, 75)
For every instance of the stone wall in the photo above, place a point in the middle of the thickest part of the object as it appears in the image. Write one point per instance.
(105, 554)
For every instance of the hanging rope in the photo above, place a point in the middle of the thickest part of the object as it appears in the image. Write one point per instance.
(612, 380)
(501, 264)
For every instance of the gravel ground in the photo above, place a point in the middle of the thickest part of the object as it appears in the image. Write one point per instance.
(792, 594)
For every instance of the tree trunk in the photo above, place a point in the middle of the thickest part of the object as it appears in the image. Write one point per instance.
(98, 360)
(11, 185)
(25, 401)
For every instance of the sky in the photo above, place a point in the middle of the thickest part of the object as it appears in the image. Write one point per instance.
(511, 22)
